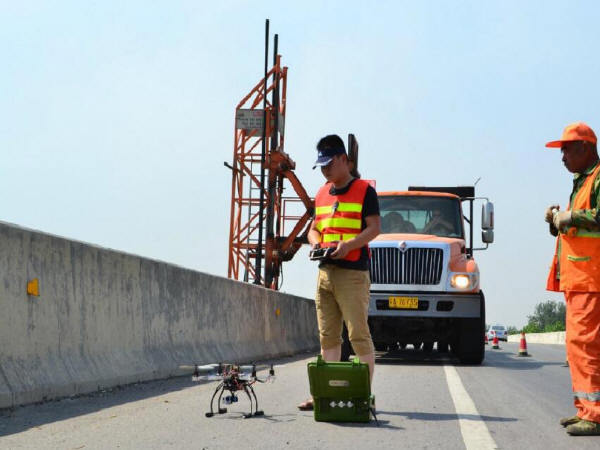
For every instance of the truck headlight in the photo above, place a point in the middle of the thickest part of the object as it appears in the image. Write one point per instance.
(460, 281)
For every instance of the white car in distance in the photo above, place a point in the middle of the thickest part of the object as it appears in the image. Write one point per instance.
(498, 330)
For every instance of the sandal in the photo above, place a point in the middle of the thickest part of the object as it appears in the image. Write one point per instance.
(307, 405)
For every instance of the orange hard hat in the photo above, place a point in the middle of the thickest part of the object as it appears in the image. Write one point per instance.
(577, 131)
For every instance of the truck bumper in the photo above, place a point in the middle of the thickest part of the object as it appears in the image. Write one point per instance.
(431, 305)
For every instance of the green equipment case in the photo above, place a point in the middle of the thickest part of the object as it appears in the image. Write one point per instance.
(341, 391)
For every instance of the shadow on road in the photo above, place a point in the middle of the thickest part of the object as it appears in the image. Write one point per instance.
(501, 358)
(22, 418)
(442, 416)
(238, 415)
(508, 360)
(372, 424)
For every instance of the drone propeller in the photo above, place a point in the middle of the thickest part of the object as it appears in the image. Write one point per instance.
(202, 369)
(246, 372)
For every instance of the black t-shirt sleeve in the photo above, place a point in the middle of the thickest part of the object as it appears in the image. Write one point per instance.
(371, 203)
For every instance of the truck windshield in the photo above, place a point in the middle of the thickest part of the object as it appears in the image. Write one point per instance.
(440, 216)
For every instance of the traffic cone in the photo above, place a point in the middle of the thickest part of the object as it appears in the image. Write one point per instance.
(495, 345)
(486, 340)
(523, 346)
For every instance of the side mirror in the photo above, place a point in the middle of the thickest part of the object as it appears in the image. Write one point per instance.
(487, 217)
(487, 236)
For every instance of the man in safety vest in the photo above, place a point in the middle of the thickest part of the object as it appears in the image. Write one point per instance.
(576, 272)
(346, 219)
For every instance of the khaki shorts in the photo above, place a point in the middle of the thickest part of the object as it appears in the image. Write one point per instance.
(343, 295)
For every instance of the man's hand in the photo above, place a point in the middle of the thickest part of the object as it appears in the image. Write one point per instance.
(341, 251)
(549, 215)
(562, 220)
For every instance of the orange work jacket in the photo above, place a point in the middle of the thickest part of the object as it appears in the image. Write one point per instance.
(339, 217)
(579, 250)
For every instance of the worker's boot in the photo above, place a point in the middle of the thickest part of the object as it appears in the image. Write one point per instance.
(584, 428)
(566, 421)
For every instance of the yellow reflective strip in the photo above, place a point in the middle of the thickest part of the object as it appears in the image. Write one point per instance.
(341, 207)
(350, 207)
(336, 237)
(590, 234)
(339, 222)
(322, 210)
(578, 258)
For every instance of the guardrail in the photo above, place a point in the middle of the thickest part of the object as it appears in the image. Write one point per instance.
(555, 337)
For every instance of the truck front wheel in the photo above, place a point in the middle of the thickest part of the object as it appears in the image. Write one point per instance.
(469, 345)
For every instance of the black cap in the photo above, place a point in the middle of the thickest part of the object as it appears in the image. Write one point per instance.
(326, 155)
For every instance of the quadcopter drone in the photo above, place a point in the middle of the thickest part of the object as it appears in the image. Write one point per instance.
(233, 378)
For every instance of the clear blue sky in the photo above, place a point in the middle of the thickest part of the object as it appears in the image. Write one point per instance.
(116, 117)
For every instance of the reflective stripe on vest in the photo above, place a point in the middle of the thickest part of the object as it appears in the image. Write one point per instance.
(585, 233)
(333, 237)
(341, 207)
(339, 217)
(332, 222)
(591, 396)
(579, 250)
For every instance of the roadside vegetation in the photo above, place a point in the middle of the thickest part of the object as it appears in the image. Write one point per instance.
(547, 317)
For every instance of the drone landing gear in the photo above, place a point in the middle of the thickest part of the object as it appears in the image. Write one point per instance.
(221, 388)
(257, 413)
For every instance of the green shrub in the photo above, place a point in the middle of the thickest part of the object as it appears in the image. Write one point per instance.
(532, 328)
(556, 326)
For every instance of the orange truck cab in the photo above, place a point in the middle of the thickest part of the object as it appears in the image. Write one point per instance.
(424, 279)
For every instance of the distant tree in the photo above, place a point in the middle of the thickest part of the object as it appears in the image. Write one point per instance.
(547, 316)
(513, 330)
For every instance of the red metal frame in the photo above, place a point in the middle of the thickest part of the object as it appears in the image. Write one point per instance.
(245, 189)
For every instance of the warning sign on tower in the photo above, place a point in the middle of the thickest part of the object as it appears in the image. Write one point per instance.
(249, 119)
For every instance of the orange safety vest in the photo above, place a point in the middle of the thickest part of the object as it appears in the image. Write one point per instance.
(339, 217)
(579, 250)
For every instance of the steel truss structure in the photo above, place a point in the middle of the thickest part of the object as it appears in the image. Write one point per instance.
(257, 246)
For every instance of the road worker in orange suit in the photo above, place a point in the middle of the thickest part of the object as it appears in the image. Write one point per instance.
(346, 219)
(576, 272)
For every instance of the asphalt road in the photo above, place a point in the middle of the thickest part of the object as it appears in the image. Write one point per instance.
(423, 403)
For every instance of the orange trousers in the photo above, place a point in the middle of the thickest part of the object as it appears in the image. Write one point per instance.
(583, 351)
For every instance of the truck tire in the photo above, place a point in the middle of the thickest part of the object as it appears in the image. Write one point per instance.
(427, 347)
(470, 347)
(346, 346)
(442, 346)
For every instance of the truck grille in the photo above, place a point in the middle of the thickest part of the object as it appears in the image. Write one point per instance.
(414, 266)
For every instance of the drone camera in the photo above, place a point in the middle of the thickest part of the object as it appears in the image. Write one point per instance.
(229, 399)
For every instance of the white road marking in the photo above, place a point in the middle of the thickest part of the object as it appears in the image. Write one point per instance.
(472, 427)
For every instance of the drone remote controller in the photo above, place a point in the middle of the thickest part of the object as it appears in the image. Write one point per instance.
(320, 253)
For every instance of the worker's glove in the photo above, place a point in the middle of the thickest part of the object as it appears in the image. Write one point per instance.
(562, 220)
(549, 215)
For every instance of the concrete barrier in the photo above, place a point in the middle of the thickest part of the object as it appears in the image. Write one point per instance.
(556, 337)
(105, 318)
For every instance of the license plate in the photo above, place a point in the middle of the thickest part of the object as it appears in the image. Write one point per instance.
(403, 302)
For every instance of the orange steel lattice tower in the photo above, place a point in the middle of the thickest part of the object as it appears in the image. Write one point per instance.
(260, 166)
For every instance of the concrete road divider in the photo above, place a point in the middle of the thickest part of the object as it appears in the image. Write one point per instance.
(103, 318)
(557, 337)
